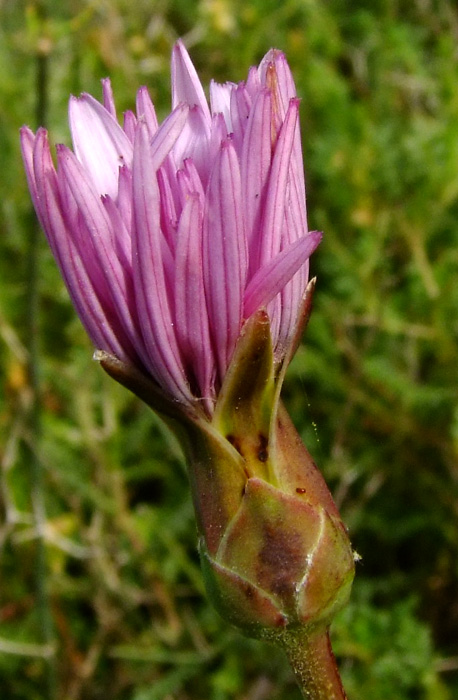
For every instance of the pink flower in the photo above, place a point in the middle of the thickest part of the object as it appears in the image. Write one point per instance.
(169, 237)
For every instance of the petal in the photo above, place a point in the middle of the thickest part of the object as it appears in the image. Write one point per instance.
(220, 100)
(289, 300)
(255, 164)
(240, 112)
(284, 79)
(272, 277)
(28, 140)
(224, 253)
(98, 225)
(108, 99)
(155, 313)
(190, 304)
(194, 143)
(166, 137)
(129, 124)
(253, 83)
(124, 202)
(217, 136)
(99, 142)
(96, 317)
(146, 111)
(194, 183)
(121, 239)
(186, 86)
(270, 234)
(169, 218)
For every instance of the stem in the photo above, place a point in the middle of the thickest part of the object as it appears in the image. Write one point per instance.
(45, 621)
(314, 665)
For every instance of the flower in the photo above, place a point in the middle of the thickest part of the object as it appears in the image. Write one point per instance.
(169, 237)
(184, 247)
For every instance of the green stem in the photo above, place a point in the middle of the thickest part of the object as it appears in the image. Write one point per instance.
(45, 621)
(314, 665)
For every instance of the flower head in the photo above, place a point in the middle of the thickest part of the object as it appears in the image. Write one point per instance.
(184, 247)
(170, 237)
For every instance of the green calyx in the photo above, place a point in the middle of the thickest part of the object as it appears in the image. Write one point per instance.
(275, 554)
(282, 558)
(282, 563)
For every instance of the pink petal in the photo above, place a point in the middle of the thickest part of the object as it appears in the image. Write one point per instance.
(240, 112)
(108, 99)
(193, 331)
(270, 279)
(118, 276)
(270, 234)
(217, 136)
(224, 254)
(96, 318)
(166, 137)
(99, 142)
(28, 140)
(168, 212)
(186, 86)
(284, 79)
(124, 202)
(193, 181)
(291, 295)
(129, 125)
(194, 143)
(156, 316)
(253, 84)
(146, 111)
(255, 165)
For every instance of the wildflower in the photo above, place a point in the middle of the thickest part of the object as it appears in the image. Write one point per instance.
(184, 247)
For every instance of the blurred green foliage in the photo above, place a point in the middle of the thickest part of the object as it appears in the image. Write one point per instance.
(373, 389)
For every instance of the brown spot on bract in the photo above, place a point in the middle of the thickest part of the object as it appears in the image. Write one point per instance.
(263, 451)
(248, 591)
(280, 560)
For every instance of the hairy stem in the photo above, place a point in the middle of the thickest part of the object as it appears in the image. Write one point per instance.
(314, 665)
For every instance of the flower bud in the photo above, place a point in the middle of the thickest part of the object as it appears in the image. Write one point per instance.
(275, 554)
(274, 551)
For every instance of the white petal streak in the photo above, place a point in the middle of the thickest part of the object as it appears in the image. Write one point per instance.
(99, 142)
(220, 100)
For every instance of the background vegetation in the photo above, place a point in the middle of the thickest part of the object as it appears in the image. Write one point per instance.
(101, 594)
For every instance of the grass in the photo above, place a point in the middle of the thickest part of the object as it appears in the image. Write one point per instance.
(94, 488)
